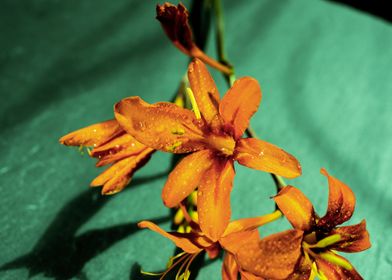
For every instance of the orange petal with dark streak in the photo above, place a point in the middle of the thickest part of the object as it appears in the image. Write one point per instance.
(335, 272)
(185, 177)
(116, 149)
(341, 203)
(213, 201)
(93, 135)
(296, 207)
(204, 90)
(275, 257)
(354, 238)
(261, 155)
(182, 240)
(229, 268)
(118, 176)
(161, 126)
(239, 104)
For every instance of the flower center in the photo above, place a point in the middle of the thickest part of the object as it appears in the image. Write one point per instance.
(222, 143)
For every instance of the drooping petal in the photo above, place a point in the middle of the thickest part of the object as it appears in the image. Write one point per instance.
(161, 126)
(116, 149)
(335, 272)
(296, 207)
(251, 223)
(229, 268)
(213, 202)
(274, 257)
(116, 177)
(239, 104)
(93, 135)
(182, 240)
(261, 155)
(185, 177)
(174, 20)
(353, 238)
(204, 90)
(341, 203)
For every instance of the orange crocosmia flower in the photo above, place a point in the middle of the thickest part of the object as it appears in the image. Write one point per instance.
(111, 145)
(236, 235)
(213, 139)
(174, 21)
(321, 236)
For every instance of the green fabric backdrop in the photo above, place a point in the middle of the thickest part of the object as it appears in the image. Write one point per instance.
(326, 76)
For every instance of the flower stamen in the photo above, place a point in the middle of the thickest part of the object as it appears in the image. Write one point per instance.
(195, 108)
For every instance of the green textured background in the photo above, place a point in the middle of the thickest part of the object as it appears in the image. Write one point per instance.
(326, 75)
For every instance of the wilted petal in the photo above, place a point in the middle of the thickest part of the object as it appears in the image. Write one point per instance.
(185, 177)
(296, 207)
(116, 177)
(239, 104)
(335, 272)
(182, 240)
(261, 155)
(341, 203)
(116, 149)
(229, 268)
(174, 20)
(275, 256)
(213, 202)
(353, 238)
(161, 126)
(251, 223)
(93, 135)
(204, 90)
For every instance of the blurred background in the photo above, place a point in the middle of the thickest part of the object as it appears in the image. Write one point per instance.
(325, 71)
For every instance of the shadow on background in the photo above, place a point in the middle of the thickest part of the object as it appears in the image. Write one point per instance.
(61, 254)
(379, 8)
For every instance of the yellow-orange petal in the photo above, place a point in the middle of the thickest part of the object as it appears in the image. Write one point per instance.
(185, 177)
(93, 135)
(161, 126)
(274, 257)
(353, 238)
(213, 201)
(118, 176)
(229, 267)
(341, 203)
(234, 241)
(116, 149)
(335, 272)
(251, 223)
(182, 240)
(204, 90)
(174, 21)
(264, 156)
(296, 207)
(239, 104)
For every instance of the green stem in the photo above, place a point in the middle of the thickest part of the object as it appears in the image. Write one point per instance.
(230, 78)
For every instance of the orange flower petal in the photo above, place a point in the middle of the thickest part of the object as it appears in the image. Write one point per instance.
(185, 177)
(296, 207)
(174, 21)
(182, 240)
(261, 155)
(239, 104)
(204, 90)
(234, 241)
(353, 238)
(93, 135)
(251, 223)
(229, 268)
(162, 126)
(274, 257)
(118, 148)
(213, 201)
(341, 203)
(116, 177)
(335, 272)
(302, 271)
